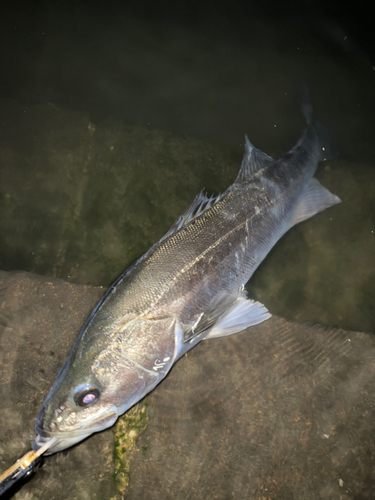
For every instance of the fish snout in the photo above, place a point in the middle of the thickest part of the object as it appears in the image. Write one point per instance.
(46, 423)
(65, 432)
(40, 422)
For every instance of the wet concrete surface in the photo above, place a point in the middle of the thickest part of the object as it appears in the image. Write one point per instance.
(39, 320)
(283, 410)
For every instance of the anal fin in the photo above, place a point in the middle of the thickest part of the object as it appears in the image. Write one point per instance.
(315, 199)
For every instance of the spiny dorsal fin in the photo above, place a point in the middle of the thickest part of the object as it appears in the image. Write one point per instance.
(201, 204)
(253, 161)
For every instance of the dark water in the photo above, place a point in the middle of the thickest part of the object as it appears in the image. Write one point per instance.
(84, 193)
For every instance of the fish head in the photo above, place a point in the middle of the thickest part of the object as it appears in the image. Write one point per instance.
(97, 384)
(78, 405)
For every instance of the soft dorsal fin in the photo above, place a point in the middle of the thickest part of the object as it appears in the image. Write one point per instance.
(201, 204)
(253, 161)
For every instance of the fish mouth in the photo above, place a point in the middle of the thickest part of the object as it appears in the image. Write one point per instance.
(59, 441)
(53, 445)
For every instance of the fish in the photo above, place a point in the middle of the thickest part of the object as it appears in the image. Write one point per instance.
(188, 287)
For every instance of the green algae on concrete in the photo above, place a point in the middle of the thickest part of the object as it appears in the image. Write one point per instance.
(127, 430)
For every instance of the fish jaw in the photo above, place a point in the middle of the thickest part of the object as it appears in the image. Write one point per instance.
(64, 440)
(59, 444)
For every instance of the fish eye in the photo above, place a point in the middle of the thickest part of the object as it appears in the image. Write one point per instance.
(86, 396)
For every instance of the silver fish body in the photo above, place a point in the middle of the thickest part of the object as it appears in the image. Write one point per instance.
(186, 288)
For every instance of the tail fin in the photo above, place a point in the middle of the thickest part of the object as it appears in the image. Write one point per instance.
(327, 140)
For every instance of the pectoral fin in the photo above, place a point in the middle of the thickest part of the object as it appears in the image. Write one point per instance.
(228, 314)
(241, 315)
